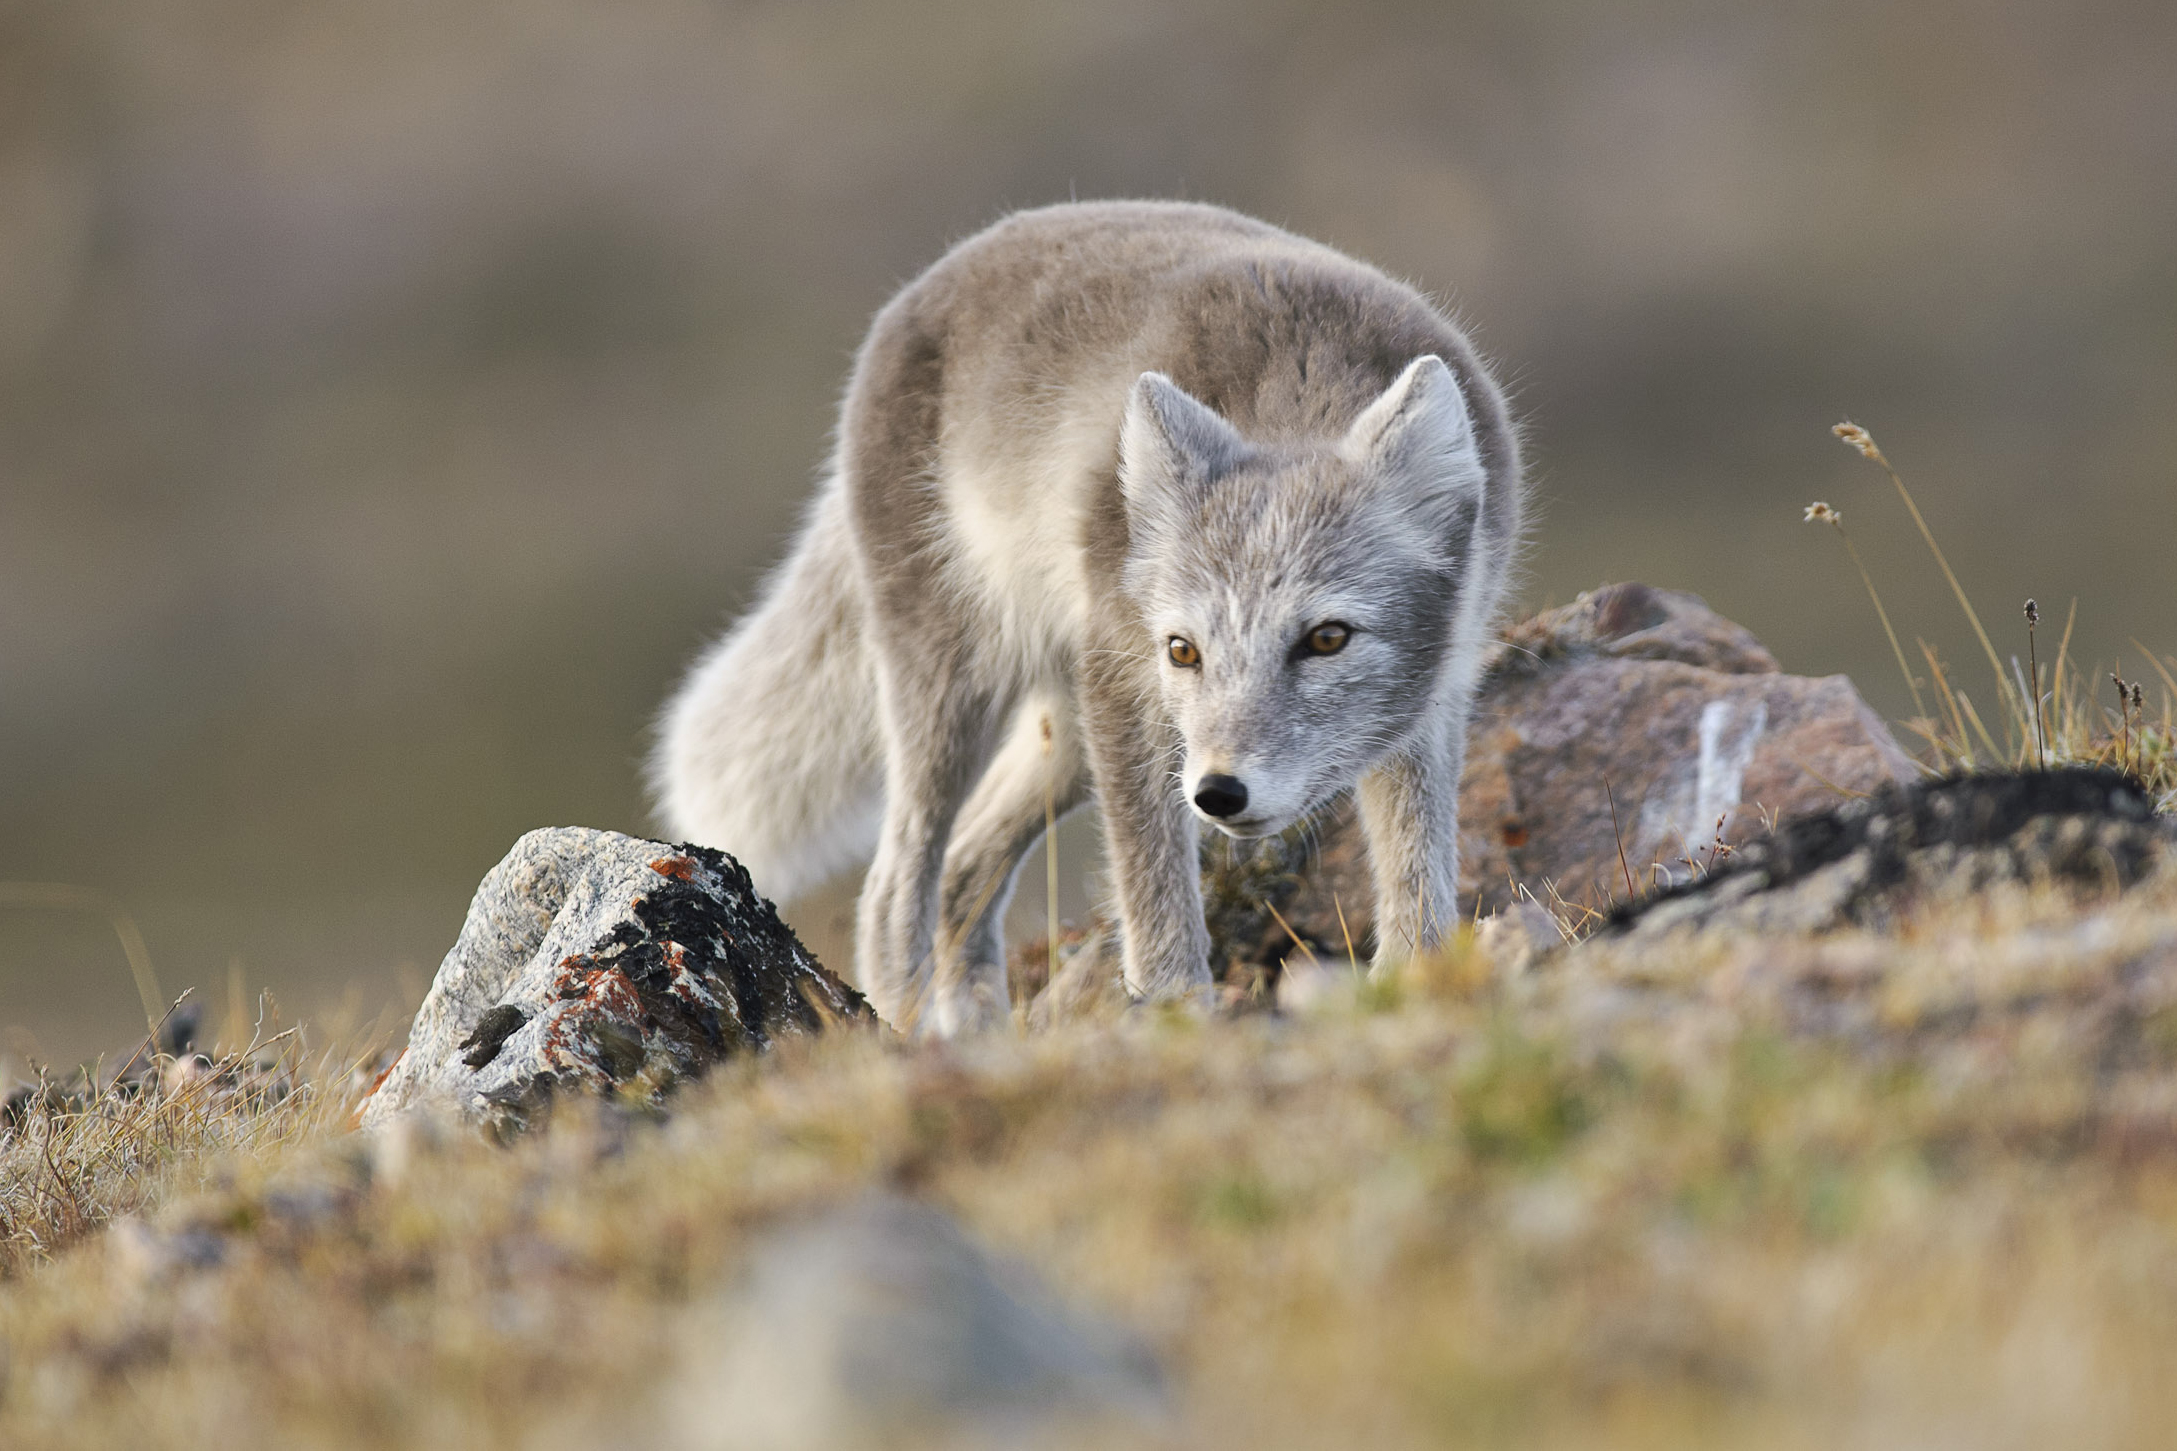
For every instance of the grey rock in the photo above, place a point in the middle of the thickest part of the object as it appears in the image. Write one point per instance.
(602, 963)
(882, 1324)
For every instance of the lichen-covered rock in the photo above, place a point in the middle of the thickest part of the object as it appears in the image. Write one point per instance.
(592, 961)
(1634, 717)
(1862, 862)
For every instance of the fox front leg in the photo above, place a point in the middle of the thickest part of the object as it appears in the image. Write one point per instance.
(1149, 834)
(1410, 811)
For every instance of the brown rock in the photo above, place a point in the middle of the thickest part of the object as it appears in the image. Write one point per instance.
(1642, 696)
(1633, 622)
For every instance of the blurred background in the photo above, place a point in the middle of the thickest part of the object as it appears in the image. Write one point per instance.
(394, 395)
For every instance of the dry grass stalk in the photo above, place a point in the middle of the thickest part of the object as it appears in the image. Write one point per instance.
(1864, 442)
(2061, 724)
(1352, 959)
(1618, 837)
(66, 896)
(1821, 513)
(73, 1157)
(2124, 716)
(2040, 732)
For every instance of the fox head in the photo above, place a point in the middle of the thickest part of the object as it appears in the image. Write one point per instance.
(1301, 598)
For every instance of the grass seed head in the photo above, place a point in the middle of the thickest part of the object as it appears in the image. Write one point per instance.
(2033, 613)
(1860, 439)
(1820, 513)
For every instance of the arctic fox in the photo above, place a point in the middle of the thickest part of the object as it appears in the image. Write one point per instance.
(1147, 499)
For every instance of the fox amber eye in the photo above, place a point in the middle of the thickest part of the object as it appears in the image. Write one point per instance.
(1182, 652)
(1328, 639)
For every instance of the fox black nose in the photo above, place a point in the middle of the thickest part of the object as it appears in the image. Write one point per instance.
(1221, 796)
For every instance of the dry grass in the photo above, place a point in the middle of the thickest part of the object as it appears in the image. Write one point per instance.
(1847, 1191)
(2061, 714)
(77, 1154)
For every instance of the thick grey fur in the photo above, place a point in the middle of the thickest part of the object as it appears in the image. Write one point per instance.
(1084, 431)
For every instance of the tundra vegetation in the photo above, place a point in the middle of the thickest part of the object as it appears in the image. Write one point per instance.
(1861, 1188)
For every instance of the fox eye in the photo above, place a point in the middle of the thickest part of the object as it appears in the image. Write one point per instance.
(1327, 639)
(1182, 652)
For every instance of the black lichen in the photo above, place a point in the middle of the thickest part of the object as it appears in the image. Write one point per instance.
(2078, 824)
(490, 1034)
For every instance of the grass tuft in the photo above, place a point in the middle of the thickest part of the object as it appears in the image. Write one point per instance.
(2065, 720)
(79, 1154)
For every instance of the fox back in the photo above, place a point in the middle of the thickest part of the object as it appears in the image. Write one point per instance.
(1145, 498)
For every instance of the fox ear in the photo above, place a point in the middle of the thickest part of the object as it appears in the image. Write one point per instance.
(1168, 441)
(1419, 433)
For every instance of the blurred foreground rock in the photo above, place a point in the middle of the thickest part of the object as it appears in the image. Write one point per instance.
(603, 963)
(1640, 696)
(883, 1325)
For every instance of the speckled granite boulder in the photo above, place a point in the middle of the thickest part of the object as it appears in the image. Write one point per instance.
(603, 963)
